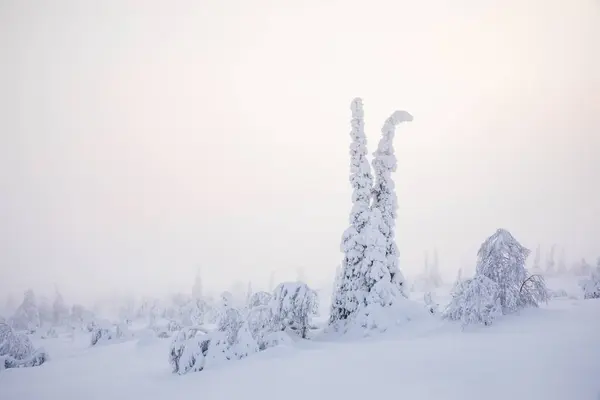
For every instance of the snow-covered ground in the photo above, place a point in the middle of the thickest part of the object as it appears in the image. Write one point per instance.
(547, 353)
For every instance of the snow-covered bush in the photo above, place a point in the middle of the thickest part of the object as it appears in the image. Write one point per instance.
(188, 351)
(591, 285)
(27, 316)
(260, 299)
(50, 334)
(430, 303)
(193, 350)
(294, 303)
(557, 293)
(261, 324)
(502, 259)
(475, 301)
(101, 335)
(16, 350)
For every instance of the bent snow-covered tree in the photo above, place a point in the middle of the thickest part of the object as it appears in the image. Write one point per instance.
(369, 271)
(384, 193)
(502, 259)
(501, 284)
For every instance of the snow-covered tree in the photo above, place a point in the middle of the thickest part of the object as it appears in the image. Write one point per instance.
(60, 312)
(226, 299)
(249, 293)
(562, 265)
(80, 315)
(502, 259)
(261, 323)
(352, 290)
(591, 285)
(430, 278)
(197, 290)
(271, 284)
(16, 350)
(300, 274)
(384, 192)
(294, 303)
(550, 263)
(537, 268)
(475, 301)
(370, 275)
(45, 311)
(260, 299)
(27, 316)
(582, 268)
(434, 271)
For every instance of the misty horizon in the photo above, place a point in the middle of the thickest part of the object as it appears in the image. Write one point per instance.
(140, 144)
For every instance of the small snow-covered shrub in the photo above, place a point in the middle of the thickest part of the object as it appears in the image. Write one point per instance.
(174, 326)
(17, 351)
(193, 350)
(557, 293)
(591, 285)
(293, 305)
(245, 343)
(50, 334)
(122, 331)
(100, 335)
(275, 339)
(261, 324)
(188, 350)
(431, 305)
(475, 301)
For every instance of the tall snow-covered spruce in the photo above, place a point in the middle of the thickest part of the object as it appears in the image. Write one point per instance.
(384, 193)
(351, 291)
(370, 277)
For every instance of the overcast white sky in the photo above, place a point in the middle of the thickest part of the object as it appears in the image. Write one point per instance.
(140, 140)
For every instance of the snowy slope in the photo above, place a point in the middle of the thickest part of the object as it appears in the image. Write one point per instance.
(549, 353)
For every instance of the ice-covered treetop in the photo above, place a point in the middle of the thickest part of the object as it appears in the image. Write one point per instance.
(501, 241)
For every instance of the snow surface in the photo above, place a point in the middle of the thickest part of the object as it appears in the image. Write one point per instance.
(548, 353)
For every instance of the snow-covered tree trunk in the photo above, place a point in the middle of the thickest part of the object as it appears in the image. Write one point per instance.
(384, 193)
